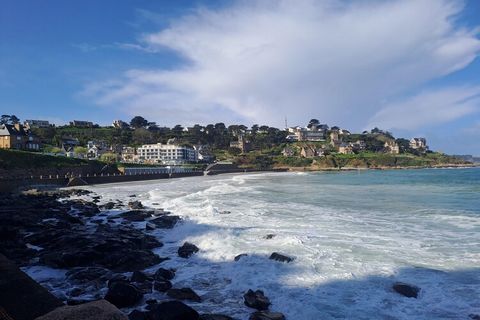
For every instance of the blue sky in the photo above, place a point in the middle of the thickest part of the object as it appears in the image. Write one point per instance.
(407, 66)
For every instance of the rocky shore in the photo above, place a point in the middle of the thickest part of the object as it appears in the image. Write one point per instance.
(101, 250)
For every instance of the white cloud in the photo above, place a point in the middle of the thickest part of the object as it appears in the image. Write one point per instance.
(259, 61)
(428, 108)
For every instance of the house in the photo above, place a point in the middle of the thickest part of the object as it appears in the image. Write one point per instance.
(334, 138)
(308, 152)
(204, 154)
(129, 155)
(95, 149)
(166, 154)
(15, 136)
(315, 132)
(81, 124)
(288, 152)
(391, 146)
(29, 124)
(359, 145)
(419, 144)
(120, 124)
(69, 143)
(241, 144)
(345, 148)
(320, 152)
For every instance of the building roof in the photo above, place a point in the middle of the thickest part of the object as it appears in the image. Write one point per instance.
(10, 130)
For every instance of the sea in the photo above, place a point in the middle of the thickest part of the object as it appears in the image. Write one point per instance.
(352, 235)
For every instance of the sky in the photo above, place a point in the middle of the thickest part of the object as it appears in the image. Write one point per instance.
(407, 66)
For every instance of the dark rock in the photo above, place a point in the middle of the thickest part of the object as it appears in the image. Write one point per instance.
(123, 294)
(76, 302)
(137, 315)
(270, 236)
(474, 316)
(280, 257)
(139, 276)
(109, 205)
(165, 222)
(162, 285)
(215, 317)
(240, 256)
(256, 300)
(164, 274)
(406, 290)
(135, 205)
(151, 301)
(84, 275)
(267, 315)
(172, 310)
(183, 294)
(135, 215)
(187, 250)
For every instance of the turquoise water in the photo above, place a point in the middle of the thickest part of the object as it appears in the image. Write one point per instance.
(352, 235)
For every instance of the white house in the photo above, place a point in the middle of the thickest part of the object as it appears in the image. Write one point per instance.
(166, 153)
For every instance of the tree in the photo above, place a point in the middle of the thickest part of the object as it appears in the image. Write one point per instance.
(313, 122)
(138, 122)
(109, 157)
(80, 150)
(9, 119)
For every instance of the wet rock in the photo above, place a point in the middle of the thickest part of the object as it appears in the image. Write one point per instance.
(135, 205)
(164, 274)
(98, 310)
(187, 250)
(135, 215)
(137, 315)
(280, 257)
(109, 205)
(123, 294)
(267, 315)
(406, 290)
(84, 275)
(270, 236)
(172, 310)
(256, 300)
(240, 256)
(162, 285)
(215, 317)
(184, 294)
(139, 276)
(165, 222)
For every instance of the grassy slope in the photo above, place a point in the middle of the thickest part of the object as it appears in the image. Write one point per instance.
(13, 159)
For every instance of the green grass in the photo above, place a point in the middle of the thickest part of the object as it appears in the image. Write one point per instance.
(13, 159)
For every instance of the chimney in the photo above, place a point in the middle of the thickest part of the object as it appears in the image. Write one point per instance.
(17, 126)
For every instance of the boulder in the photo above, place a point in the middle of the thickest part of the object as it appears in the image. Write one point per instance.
(139, 276)
(123, 294)
(82, 275)
(184, 294)
(135, 205)
(256, 300)
(137, 315)
(98, 310)
(172, 310)
(280, 257)
(270, 236)
(109, 205)
(187, 250)
(164, 274)
(135, 215)
(162, 285)
(406, 290)
(267, 315)
(165, 222)
(240, 256)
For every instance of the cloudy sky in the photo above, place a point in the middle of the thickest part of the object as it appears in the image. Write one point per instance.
(408, 66)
